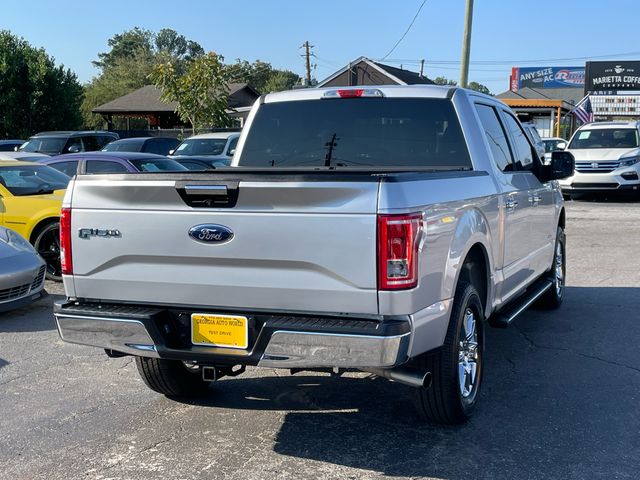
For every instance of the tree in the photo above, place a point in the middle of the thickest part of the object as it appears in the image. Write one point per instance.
(35, 94)
(125, 45)
(478, 87)
(444, 81)
(201, 92)
(128, 64)
(262, 76)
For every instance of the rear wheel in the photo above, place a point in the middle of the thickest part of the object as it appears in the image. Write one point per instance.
(457, 367)
(171, 377)
(47, 244)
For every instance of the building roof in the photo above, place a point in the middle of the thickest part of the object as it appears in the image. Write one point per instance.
(147, 100)
(397, 75)
(568, 95)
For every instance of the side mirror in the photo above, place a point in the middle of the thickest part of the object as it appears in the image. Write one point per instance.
(231, 152)
(562, 166)
(16, 149)
(561, 145)
(74, 149)
(172, 151)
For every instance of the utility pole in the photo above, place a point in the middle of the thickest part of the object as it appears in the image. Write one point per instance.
(421, 67)
(466, 44)
(307, 54)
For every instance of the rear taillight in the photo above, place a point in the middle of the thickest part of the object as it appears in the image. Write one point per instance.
(398, 239)
(65, 242)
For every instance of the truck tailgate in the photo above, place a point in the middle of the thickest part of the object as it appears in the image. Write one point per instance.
(297, 245)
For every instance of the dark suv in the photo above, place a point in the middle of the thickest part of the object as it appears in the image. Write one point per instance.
(56, 143)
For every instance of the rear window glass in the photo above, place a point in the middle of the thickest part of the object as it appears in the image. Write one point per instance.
(369, 132)
(606, 138)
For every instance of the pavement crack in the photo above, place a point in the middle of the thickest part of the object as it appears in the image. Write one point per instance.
(534, 344)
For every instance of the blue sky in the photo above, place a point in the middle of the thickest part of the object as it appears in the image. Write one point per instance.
(509, 31)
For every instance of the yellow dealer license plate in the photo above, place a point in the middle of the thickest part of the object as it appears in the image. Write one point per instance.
(219, 330)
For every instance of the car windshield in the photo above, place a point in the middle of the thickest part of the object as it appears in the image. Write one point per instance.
(379, 132)
(153, 165)
(551, 145)
(48, 145)
(605, 138)
(123, 147)
(201, 146)
(32, 179)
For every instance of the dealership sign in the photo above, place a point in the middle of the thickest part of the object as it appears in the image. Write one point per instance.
(612, 77)
(546, 77)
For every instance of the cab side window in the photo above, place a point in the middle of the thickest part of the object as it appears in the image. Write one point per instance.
(68, 168)
(522, 149)
(496, 137)
(104, 166)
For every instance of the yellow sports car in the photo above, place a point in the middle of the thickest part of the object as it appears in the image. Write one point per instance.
(30, 200)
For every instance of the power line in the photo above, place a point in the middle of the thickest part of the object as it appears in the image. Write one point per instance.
(514, 62)
(407, 31)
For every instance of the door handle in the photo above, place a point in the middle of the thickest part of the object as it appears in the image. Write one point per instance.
(510, 204)
(535, 199)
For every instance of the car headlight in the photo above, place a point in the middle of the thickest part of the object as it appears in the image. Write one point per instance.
(15, 240)
(628, 161)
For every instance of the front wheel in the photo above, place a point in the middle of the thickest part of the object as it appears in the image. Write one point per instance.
(47, 244)
(553, 297)
(457, 366)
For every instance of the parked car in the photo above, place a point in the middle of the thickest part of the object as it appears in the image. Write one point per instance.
(157, 145)
(30, 199)
(193, 163)
(534, 137)
(607, 158)
(56, 143)
(112, 162)
(371, 228)
(218, 147)
(24, 156)
(551, 144)
(10, 145)
(22, 271)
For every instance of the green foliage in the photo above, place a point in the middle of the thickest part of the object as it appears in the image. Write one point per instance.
(478, 87)
(125, 45)
(201, 91)
(262, 76)
(35, 94)
(127, 66)
(124, 76)
(444, 81)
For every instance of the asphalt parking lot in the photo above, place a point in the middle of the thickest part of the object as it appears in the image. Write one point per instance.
(561, 398)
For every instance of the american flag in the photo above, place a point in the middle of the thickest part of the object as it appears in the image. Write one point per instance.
(583, 110)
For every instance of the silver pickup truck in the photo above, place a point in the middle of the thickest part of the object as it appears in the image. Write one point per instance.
(368, 228)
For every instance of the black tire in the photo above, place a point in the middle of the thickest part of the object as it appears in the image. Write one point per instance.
(171, 377)
(444, 401)
(46, 241)
(553, 297)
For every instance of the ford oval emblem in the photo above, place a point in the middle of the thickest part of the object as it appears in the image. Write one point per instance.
(211, 233)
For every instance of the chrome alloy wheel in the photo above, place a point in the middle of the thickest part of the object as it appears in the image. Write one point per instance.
(468, 358)
(559, 269)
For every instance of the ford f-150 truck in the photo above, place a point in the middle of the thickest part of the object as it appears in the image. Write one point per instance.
(366, 228)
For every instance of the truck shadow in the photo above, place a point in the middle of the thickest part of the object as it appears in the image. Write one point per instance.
(559, 401)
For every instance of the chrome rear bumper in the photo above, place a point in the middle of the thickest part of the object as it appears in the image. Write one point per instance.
(126, 336)
(281, 348)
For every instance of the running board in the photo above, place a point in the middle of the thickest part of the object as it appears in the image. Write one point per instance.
(504, 318)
